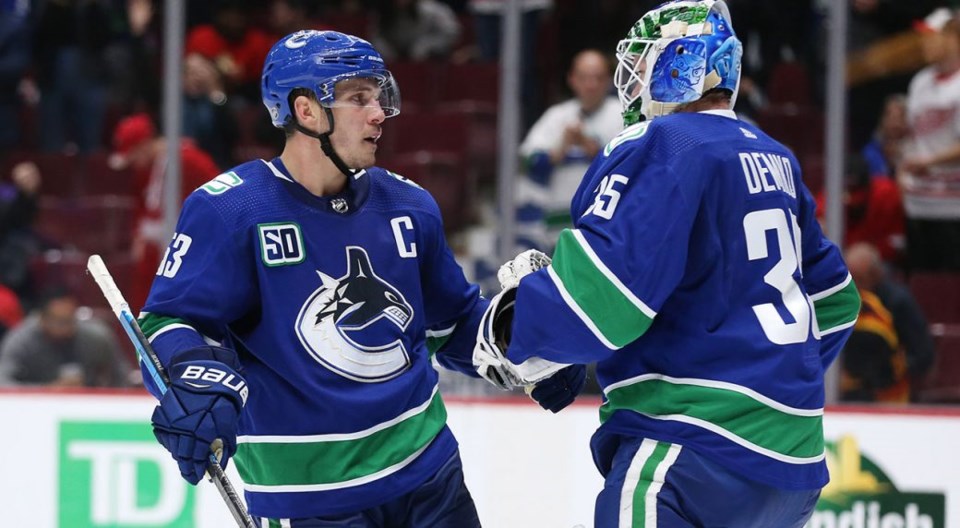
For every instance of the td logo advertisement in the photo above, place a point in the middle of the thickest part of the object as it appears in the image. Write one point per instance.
(115, 474)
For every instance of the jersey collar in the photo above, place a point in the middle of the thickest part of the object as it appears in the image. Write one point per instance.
(721, 112)
(347, 201)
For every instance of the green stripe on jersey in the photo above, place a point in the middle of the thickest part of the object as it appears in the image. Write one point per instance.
(646, 480)
(745, 417)
(436, 343)
(618, 318)
(838, 309)
(152, 323)
(331, 461)
(436, 339)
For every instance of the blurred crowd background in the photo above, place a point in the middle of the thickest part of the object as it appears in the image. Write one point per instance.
(82, 161)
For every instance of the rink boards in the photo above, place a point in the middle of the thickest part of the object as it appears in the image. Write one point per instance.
(89, 460)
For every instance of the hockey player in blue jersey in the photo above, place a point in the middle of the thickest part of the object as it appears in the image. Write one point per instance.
(698, 279)
(299, 306)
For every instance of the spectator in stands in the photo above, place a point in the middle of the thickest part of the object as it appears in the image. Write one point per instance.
(55, 348)
(930, 170)
(18, 202)
(561, 145)
(18, 211)
(882, 57)
(137, 145)
(874, 211)
(236, 47)
(874, 20)
(487, 16)
(874, 366)
(883, 152)
(139, 62)
(207, 119)
(415, 30)
(14, 60)
(290, 16)
(891, 349)
(11, 313)
(70, 61)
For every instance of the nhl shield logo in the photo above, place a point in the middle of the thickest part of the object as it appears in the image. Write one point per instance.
(354, 325)
(339, 205)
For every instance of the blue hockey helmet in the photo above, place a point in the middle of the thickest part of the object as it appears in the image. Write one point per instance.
(318, 60)
(675, 54)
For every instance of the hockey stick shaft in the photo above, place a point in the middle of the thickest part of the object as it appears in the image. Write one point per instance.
(97, 269)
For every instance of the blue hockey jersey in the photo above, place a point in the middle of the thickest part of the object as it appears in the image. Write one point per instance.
(333, 305)
(698, 279)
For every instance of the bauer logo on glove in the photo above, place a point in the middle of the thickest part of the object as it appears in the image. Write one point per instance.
(214, 375)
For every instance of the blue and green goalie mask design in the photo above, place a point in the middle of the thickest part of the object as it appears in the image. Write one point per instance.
(674, 55)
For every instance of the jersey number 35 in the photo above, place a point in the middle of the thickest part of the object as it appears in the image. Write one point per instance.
(781, 275)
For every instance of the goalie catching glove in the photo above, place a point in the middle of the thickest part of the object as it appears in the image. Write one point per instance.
(493, 337)
(552, 385)
(200, 409)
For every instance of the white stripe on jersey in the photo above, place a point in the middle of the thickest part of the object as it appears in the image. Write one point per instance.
(659, 477)
(632, 479)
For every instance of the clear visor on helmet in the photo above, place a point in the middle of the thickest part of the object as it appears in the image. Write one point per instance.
(367, 90)
(630, 77)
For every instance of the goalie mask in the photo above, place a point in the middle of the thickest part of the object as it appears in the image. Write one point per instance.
(674, 55)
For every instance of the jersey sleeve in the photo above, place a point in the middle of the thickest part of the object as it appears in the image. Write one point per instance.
(453, 305)
(836, 302)
(202, 285)
(613, 271)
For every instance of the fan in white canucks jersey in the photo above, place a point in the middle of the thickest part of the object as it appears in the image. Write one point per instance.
(698, 279)
(300, 304)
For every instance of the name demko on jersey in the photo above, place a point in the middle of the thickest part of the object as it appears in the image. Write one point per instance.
(699, 280)
(324, 302)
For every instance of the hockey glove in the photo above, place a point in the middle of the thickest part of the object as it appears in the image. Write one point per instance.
(493, 335)
(524, 264)
(200, 409)
(559, 390)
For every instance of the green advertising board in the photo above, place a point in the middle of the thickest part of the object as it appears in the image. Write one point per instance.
(116, 475)
(861, 495)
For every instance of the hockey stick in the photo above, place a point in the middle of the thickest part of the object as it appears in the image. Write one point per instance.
(98, 270)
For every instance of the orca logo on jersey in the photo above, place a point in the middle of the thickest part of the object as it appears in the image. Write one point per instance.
(354, 325)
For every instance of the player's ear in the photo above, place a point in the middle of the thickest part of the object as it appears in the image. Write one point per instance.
(308, 113)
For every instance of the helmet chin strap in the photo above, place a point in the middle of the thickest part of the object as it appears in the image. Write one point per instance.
(325, 144)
